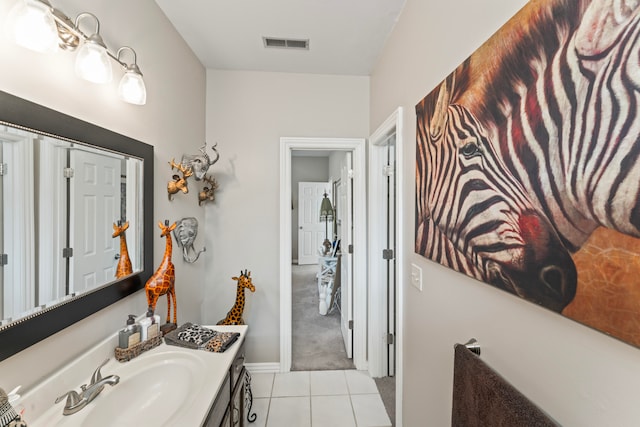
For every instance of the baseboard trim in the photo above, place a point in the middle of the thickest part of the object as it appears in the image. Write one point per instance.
(263, 368)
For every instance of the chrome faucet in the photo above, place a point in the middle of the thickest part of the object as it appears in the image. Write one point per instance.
(76, 402)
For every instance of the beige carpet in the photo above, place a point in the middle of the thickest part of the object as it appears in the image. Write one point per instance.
(317, 342)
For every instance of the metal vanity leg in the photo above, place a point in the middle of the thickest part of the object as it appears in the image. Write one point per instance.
(248, 397)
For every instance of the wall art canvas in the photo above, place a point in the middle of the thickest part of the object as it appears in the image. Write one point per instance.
(528, 163)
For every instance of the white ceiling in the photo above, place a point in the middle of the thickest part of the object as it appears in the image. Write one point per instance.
(345, 36)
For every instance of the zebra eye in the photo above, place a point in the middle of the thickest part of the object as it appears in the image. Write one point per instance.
(470, 149)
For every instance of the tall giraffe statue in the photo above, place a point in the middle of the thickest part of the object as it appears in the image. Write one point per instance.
(163, 280)
(234, 316)
(124, 262)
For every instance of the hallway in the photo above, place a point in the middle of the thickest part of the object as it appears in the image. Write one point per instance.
(317, 340)
(317, 343)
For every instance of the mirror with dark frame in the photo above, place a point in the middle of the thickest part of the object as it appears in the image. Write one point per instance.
(64, 184)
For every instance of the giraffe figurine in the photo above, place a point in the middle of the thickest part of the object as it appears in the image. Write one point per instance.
(234, 316)
(163, 280)
(124, 262)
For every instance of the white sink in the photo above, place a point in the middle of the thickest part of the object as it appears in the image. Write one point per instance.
(166, 386)
(149, 393)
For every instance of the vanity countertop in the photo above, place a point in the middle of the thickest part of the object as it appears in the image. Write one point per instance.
(165, 362)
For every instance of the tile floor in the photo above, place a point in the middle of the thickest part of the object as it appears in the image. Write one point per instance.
(317, 399)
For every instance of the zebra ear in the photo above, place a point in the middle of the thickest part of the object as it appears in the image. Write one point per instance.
(439, 119)
(601, 24)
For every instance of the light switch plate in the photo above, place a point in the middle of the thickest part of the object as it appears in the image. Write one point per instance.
(416, 277)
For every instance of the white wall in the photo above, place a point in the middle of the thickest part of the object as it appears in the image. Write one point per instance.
(173, 121)
(247, 113)
(579, 376)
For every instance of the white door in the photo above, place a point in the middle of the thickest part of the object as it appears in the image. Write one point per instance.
(389, 254)
(311, 232)
(95, 201)
(384, 232)
(345, 215)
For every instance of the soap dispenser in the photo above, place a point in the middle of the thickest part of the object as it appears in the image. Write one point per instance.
(130, 335)
(150, 325)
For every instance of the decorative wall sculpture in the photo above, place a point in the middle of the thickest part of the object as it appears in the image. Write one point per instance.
(196, 165)
(200, 163)
(185, 233)
(208, 192)
(528, 163)
(177, 182)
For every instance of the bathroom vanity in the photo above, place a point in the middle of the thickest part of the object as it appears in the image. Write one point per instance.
(165, 386)
(228, 407)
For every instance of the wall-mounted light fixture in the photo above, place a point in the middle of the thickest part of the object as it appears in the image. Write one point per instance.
(40, 27)
(92, 60)
(131, 88)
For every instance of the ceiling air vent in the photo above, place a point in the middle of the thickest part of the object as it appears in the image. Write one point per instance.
(286, 43)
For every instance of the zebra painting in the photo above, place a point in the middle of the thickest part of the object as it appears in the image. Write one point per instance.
(530, 146)
(476, 204)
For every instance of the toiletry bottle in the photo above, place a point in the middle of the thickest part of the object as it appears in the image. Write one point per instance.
(130, 335)
(145, 322)
(149, 325)
(156, 325)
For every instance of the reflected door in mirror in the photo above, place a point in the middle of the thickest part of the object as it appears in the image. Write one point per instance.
(95, 201)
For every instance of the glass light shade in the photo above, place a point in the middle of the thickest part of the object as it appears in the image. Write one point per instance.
(132, 89)
(34, 27)
(92, 63)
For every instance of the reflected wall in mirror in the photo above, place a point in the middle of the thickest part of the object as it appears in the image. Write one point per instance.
(59, 201)
(64, 183)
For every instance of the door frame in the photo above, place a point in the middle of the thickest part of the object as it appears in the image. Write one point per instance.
(377, 295)
(358, 147)
(52, 224)
(18, 224)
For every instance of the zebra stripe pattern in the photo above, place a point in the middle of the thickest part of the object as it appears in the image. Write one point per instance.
(567, 128)
(555, 117)
(476, 218)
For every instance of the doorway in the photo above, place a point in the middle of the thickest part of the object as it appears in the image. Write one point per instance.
(322, 276)
(359, 321)
(386, 269)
